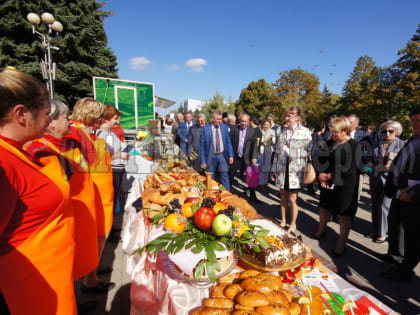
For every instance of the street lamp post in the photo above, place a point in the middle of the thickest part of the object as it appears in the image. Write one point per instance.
(48, 68)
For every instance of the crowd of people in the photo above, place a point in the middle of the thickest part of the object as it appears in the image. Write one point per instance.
(61, 177)
(342, 154)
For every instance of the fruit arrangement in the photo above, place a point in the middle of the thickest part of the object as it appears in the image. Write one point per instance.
(204, 224)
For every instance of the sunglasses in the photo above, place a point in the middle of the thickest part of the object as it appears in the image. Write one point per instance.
(385, 131)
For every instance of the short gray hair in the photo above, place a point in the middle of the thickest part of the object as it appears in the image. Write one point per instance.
(356, 118)
(216, 113)
(392, 124)
(231, 117)
(58, 108)
(200, 115)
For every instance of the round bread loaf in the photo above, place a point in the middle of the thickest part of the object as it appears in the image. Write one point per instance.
(217, 291)
(215, 311)
(277, 296)
(248, 273)
(263, 285)
(219, 303)
(273, 309)
(276, 279)
(231, 290)
(251, 298)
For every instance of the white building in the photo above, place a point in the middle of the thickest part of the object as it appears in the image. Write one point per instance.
(191, 105)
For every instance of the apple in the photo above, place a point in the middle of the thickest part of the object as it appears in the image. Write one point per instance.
(193, 200)
(221, 225)
(204, 217)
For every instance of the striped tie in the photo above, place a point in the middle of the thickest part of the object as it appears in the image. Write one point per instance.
(217, 140)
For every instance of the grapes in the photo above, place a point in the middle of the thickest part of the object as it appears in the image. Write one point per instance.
(228, 212)
(208, 203)
(174, 206)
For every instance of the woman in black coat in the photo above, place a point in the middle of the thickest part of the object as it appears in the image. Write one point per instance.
(338, 177)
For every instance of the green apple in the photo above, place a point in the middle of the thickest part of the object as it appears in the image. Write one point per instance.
(221, 225)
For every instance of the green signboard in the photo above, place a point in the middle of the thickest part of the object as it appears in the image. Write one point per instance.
(135, 100)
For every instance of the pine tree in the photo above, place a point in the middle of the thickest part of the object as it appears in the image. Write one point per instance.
(83, 50)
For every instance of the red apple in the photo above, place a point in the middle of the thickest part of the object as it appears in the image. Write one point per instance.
(193, 200)
(204, 217)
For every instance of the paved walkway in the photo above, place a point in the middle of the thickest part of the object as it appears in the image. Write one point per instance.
(360, 265)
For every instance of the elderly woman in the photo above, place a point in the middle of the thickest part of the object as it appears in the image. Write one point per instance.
(36, 217)
(268, 139)
(289, 163)
(338, 177)
(384, 153)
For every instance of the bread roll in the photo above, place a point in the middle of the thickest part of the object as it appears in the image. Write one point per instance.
(229, 278)
(219, 303)
(245, 312)
(273, 309)
(249, 273)
(294, 308)
(251, 298)
(278, 297)
(232, 290)
(263, 285)
(166, 186)
(217, 291)
(215, 311)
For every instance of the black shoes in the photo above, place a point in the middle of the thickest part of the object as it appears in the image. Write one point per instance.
(398, 275)
(388, 258)
(336, 254)
(318, 237)
(101, 287)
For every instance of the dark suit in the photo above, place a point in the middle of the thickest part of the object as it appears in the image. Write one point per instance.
(405, 214)
(193, 148)
(250, 151)
(182, 133)
(216, 162)
(360, 134)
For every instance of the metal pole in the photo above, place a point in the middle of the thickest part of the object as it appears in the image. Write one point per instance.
(50, 68)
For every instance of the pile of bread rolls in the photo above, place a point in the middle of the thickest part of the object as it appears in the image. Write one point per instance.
(250, 292)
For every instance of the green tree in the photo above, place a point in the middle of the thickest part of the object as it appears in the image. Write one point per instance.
(83, 50)
(297, 87)
(217, 102)
(256, 99)
(327, 105)
(405, 84)
(361, 91)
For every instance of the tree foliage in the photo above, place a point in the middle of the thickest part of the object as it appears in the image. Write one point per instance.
(218, 103)
(256, 99)
(298, 87)
(83, 43)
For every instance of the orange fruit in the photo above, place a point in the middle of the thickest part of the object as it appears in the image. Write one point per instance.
(315, 291)
(218, 206)
(175, 223)
(186, 210)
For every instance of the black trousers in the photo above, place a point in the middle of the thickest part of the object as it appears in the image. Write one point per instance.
(395, 230)
(410, 214)
(239, 164)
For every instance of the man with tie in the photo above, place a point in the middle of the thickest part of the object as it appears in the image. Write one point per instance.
(244, 143)
(403, 185)
(183, 130)
(194, 142)
(216, 151)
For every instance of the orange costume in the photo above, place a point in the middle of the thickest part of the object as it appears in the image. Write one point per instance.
(37, 244)
(99, 160)
(82, 196)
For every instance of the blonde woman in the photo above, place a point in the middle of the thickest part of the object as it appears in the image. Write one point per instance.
(338, 177)
(289, 163)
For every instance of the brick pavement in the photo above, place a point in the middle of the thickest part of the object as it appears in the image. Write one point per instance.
(360, 265)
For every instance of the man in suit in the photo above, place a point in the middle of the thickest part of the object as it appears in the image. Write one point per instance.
(356, 134)
(244, 143)
(216, 151)
(231, 121)
(403, 185)
(183, 130)
(193, 148)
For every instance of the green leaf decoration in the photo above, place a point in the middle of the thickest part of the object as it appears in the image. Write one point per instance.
(199, 270)
(262, 233)
(264, 243)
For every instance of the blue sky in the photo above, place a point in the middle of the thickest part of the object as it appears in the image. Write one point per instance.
(190, 49)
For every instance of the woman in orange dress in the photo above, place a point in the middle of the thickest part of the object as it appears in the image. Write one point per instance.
(75, 170)
(87, 116)
(36, 220)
